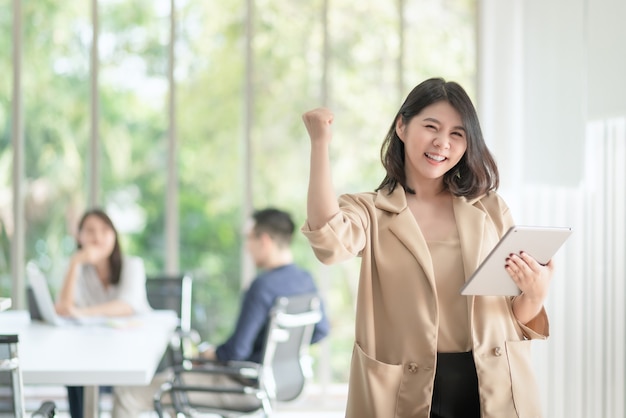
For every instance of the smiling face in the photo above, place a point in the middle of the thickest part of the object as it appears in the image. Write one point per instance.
(434, 142)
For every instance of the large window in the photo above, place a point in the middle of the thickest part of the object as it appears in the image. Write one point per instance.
(55, 106)
(242, 80)
(133, 122)
(6, 228)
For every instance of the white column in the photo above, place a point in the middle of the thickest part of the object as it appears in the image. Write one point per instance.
(94, 144)
(500, 101)
(247, 266)
(17, 136)
(172, 224)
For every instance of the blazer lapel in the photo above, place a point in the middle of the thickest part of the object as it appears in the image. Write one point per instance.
(471, 227)
(405, 228)
(471, 222)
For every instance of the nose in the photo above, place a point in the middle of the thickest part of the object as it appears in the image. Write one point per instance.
(441, 141)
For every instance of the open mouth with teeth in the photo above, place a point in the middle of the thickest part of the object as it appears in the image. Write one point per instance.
(438, 158)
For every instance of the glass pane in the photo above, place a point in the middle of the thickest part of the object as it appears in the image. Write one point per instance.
(6, 149)
(133, 44)
(441, 41)
(210, 108)
(55, 82)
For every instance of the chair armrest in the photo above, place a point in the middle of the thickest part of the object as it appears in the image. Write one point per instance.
(243, 390)
(191, 335)
(207, 363)
(237, 369)
(172, 389)
(292, 321)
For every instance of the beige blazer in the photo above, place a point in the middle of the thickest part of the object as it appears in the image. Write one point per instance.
(395, 350)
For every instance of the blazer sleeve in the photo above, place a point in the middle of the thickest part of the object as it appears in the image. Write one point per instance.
(344, 235)
(538, 327)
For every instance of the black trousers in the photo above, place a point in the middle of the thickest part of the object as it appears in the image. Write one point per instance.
(75, 399)
(455, 394)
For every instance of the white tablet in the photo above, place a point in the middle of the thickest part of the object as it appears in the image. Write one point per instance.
(492, 279)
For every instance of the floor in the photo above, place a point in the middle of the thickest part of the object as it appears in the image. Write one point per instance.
(316, 401)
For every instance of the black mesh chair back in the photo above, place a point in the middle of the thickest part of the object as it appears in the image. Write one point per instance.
(11, 389)
(171, 292)
(11, 386)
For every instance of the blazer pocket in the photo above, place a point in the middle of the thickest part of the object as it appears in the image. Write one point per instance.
(374, 386)
(526, 396)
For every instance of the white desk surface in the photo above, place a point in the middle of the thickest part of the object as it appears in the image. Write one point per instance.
(90, 355)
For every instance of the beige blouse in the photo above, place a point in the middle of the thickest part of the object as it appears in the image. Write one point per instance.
(454, 329)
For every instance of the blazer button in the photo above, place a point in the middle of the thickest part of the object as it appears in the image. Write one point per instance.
(412, 367)
(497, 351)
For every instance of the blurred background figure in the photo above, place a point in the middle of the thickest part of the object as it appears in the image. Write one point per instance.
(100, 281)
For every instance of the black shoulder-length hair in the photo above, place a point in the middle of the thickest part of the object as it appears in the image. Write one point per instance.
(474, 175)
(115, 259)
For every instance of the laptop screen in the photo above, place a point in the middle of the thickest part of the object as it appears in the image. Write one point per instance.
(33, 308)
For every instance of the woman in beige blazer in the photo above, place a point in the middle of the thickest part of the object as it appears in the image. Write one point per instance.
(421, 349)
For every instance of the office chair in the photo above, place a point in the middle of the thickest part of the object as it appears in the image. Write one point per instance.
(173, 292)
(281, 376)
(11, 385)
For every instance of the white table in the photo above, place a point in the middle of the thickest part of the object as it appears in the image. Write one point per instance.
(126, 353)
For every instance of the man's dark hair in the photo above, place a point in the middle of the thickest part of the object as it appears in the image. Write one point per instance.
(276, 223)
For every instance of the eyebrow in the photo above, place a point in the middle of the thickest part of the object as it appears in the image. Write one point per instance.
(436, 121)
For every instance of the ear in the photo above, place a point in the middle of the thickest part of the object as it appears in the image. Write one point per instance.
(265, 238)
(400, 128)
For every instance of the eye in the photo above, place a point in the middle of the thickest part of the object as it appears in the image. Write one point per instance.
(431, 126)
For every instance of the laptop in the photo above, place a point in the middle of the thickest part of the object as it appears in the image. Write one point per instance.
(491, 277)
(41, 305)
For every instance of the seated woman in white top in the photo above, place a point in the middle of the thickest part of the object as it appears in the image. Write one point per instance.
(100, 281)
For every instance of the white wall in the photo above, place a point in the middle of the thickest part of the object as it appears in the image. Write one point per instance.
(606, 58)
(545, 70)
(552, 100)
